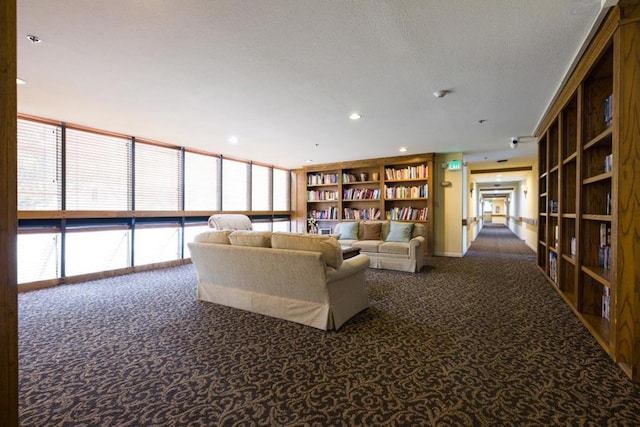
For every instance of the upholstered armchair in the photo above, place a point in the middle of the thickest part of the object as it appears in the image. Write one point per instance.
(230, 222)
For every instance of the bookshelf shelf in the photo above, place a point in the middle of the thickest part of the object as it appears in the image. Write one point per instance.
(593, 129)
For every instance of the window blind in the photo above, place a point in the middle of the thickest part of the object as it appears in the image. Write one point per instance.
(201, 190)
(39, 166)
(235, 185)
(281, 190)
(158, 183)
(98, 171)
(261, 182)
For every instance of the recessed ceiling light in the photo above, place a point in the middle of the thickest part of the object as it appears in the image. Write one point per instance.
(308, 161)
(233, 139)
(355, 116)
(20, 82)
(403, 149)
(440, 93)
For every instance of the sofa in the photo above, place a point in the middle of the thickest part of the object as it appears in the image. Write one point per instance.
(297, 277)
(391, 245)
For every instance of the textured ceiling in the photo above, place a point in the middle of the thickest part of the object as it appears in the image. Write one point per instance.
(283, 75)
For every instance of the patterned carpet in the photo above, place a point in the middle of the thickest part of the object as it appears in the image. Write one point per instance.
(481, 340)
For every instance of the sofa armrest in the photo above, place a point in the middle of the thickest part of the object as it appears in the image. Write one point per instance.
(414, 244)
(349, 267)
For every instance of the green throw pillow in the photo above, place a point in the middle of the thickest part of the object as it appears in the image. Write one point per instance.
(348, 231)
(400, 231)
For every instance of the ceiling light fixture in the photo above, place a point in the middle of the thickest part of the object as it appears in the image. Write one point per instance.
(20, 82)
(355, 116)
(403, 149)
(440, 93)
(233, 140)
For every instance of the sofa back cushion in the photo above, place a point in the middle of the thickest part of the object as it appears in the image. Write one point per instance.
(220, 237)
(327, 246)
(260, 239)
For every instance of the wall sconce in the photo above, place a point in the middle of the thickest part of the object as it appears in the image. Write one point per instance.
(524, 190)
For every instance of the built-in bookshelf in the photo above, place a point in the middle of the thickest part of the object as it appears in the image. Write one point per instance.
(394, 188)
(588, 187)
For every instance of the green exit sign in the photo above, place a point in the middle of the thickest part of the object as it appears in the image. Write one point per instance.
(455, 165)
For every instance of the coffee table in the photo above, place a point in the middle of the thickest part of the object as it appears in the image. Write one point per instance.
(349, 252)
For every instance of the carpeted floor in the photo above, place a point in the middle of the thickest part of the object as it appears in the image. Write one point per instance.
(481, 340)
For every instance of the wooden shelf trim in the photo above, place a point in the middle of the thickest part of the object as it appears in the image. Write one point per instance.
(602, 275)
(597, 178)
(601, 218)
(603, 135)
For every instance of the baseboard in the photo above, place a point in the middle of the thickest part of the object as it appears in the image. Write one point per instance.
(449, 254)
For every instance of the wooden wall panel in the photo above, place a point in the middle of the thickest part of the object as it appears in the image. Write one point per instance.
(8, 218)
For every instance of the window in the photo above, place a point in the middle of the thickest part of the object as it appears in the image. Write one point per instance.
(157, 244)
(260, 188)
(201, 190)
(98, 171)
(38, 257)
(282, 225)
(281, 190)
(39, 166)
(235, 188)
(93, 251)
(158, 184)
(190, 231)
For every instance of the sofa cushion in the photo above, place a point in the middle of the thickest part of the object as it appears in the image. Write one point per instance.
(349, 230)
(400, 231)
(367, 245)
(261, 239)
(327, 246)
(395, 248)
(220, 237)
(371, 231)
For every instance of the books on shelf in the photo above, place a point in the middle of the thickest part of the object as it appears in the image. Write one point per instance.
(322, 178)
(604, 251)
(553, 267)
(572, 248)
(410, 172)
(608, 210)
(408, 214)
(406, 192)
(329, 213)
(608, 163)
(321, 195)
(555, 235)
(606, 300)
(608, 111)
(553, 206)
(360, 194)
(371, 213)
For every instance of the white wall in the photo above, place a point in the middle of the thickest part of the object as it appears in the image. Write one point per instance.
(526, 206)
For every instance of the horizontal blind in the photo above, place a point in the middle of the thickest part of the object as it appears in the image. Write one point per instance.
(260, 188)
(235, 185)
(158, 173)
(39, 166)
(201, 191)
(281, 190)
(98, 171)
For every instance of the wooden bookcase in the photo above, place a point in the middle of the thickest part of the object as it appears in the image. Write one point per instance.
(397, 188)
(589, 201)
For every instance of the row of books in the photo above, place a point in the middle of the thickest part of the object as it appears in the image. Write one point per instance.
(406, 214)
(371, 213)
(410, 172)
(414, 192)
(608, 111)
(553, 206)
(348, 178)
(608, 163)
(361, 194)
(322, 178)
(608, 209)
(318, 195)
(606, 299)
(553, 267)
(330, 213)
(604, 252)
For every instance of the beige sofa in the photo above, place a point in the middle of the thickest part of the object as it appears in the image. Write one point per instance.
(396, 245)
(296, 277)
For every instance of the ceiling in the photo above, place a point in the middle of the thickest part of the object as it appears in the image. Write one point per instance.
(283, 75)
